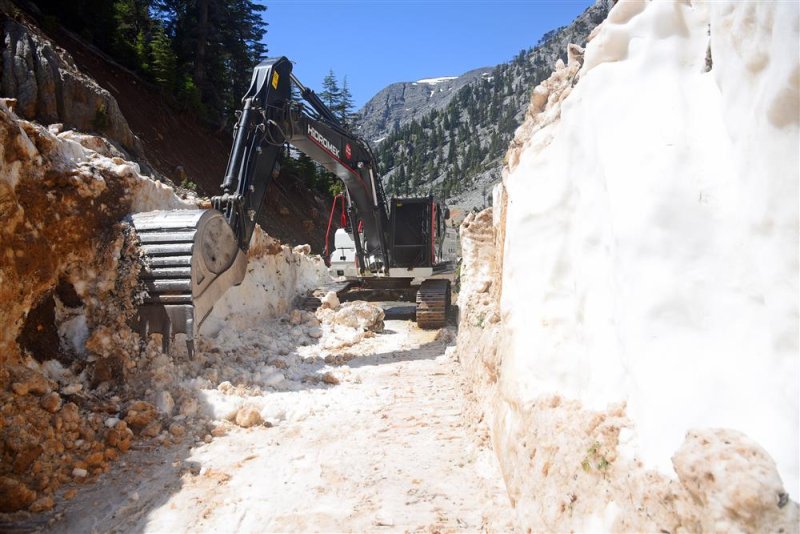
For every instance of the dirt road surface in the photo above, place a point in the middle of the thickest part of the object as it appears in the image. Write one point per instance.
(388, 449)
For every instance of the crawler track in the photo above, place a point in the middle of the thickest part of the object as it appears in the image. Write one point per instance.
(433, 303)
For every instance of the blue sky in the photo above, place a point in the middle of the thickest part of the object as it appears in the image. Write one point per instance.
(375, 43)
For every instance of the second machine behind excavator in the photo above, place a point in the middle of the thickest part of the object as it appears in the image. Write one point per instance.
(192, 257)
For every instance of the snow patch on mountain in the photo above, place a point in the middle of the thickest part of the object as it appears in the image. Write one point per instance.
(434, 81)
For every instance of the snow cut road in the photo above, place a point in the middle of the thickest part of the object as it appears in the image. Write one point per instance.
(388, 449)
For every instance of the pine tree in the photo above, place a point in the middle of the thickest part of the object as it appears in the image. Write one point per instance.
(164, 61)
(345, 107)
(131, 20)
(402, 180)
(331, 94)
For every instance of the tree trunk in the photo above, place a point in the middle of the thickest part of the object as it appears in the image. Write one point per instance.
(200, 45)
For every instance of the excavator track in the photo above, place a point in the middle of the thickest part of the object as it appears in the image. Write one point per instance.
(433, 303)
(190, 258)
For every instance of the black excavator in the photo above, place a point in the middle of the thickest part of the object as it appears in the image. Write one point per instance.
(192, 257)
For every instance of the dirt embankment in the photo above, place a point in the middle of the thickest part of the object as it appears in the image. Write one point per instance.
(78, 387)
(68, 272)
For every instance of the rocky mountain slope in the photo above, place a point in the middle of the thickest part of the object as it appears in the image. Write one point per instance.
(399, 103)
(50, 88)
(629, 304)
(456, 149)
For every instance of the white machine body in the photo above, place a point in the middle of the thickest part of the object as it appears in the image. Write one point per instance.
(343, 258)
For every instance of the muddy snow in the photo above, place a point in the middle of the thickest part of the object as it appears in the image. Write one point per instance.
(375, 438)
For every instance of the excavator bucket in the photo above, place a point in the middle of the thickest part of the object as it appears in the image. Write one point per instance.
(190, 258)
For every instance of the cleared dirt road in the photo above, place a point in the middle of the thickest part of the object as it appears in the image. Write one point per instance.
(387, 449)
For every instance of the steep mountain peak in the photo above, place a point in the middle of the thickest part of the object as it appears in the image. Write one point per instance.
(400, 103)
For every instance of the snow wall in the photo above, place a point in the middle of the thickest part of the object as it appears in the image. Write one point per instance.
(642, 291)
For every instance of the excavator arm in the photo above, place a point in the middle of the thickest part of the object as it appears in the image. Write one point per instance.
(270, 119)
(192, 257)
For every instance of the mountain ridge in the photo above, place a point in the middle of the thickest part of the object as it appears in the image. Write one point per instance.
(389, 108)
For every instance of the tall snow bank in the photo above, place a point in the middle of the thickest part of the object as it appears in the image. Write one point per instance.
(650, 276)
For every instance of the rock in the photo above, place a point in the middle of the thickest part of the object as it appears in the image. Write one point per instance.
(219, 431)
(71, 389)
(278, 363)
(330, 300)
(95, 459)
(400, 103)
(51, 402)
(25, 458)
(177, 430)
(69, 413)
(11, 103)
(42, 504)
(120, 436)
(735, 482)
(40, 78)
(329, 378)
(26, 381)
(274, 379)
(445, 335)
(70, 494)
(338, 359)
(296, 317)
(111, 422)
(79, 472)
(140, 414)
(360, 315)
(188, 408)
(165, 403)
(247, 416)
(14, 495)
(152, 429)
(314, 332)
(302, 249)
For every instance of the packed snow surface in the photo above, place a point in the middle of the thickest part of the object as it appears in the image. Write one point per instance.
(377, 438)
(651, 251)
